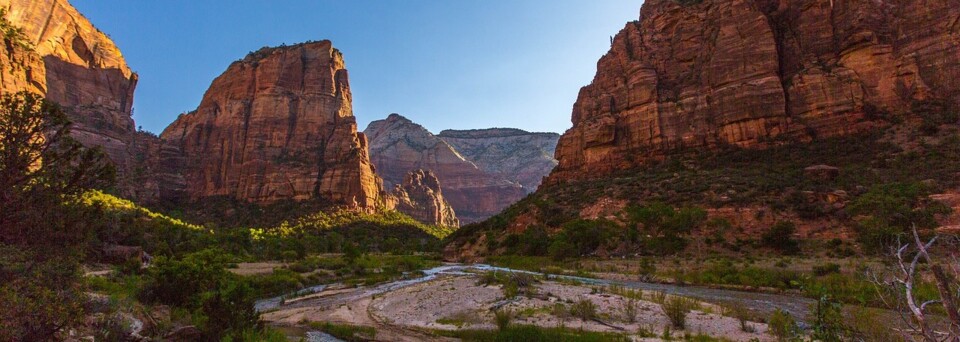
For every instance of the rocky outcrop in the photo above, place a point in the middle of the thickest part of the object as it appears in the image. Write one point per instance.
(66, 59)
(277, 125)
(420, 196)
(747, 73)
(399, 146)
(516, 155)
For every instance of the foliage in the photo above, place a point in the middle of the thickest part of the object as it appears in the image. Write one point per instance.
(584, 309)
(230, 310)
(782, 325)
(183, 282)
(890, 210)
(665, 225)
(630, 310)
(676, 309)
(40, 167)
(826, 269)
(42, 231)
(37, 299)
(780, 237)
(503, 318)
(13, 35)
(827, 319)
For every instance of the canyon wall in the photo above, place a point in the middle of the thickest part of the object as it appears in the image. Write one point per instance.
(62, 56)
(277, 125)
(420, 196)
(516, 155)
(399, 146)
(749, 73)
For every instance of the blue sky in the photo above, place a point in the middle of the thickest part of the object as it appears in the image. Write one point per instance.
(457, 64)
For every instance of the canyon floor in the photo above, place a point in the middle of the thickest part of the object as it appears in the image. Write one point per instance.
(452, 300)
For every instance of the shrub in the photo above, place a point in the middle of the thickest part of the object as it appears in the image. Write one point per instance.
(630, 308)
(665, 225)
(780, 237)
(584, 309)
(782, 325)
(181, 282)
(676, 308)
(230, 310)
(503, 317)
(891, 209)
(822, 270)
(827, 320)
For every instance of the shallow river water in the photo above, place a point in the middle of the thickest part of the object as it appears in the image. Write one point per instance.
(761, 303)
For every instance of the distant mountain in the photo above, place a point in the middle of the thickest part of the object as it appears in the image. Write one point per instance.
(481, 172)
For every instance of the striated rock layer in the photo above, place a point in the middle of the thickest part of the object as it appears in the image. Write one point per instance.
(516, 155)
(399, 146)
(277, 125)
(420, 196)
(69, 61)
(746, 72)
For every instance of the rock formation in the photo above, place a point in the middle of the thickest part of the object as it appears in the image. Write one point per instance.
(421, 197)
(277, 125)
(516, 155)
(66, 59)
(743, 73)
(399, 146)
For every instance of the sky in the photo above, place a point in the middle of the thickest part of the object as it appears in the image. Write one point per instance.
(445, 64)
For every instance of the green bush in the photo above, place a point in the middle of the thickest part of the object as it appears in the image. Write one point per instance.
(182, 282)
(229, 310)
(780, 237)
(890, 210)
(676, 308)
(782, 325)
(584, 309)
(665, 226)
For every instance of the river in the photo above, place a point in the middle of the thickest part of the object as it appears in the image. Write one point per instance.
(760, 303)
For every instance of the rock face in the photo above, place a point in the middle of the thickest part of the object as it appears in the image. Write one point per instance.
(399, 146)
(745, 72)
(420, 197)
(277, 125)
(516, 155)
(72, 63)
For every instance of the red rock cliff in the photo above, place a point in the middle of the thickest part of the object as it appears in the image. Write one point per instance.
(278, 125)
(72, 63)
(399, 146)
(743, 72)
(420, 196)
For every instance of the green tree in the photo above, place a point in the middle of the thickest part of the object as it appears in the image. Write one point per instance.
(43, 229)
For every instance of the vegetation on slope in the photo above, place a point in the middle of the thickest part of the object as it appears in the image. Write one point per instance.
(886, 176)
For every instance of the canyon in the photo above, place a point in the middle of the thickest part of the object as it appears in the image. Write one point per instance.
(59, 54)
(481, 172)
(749, 73)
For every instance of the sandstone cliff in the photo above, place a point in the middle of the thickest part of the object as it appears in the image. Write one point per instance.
(420, 196)
(747, 72)
(66, 59)
(277, 125)
(399, 146)
(512, 154)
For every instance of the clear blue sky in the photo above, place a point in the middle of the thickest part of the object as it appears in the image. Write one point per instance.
(443, 63)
